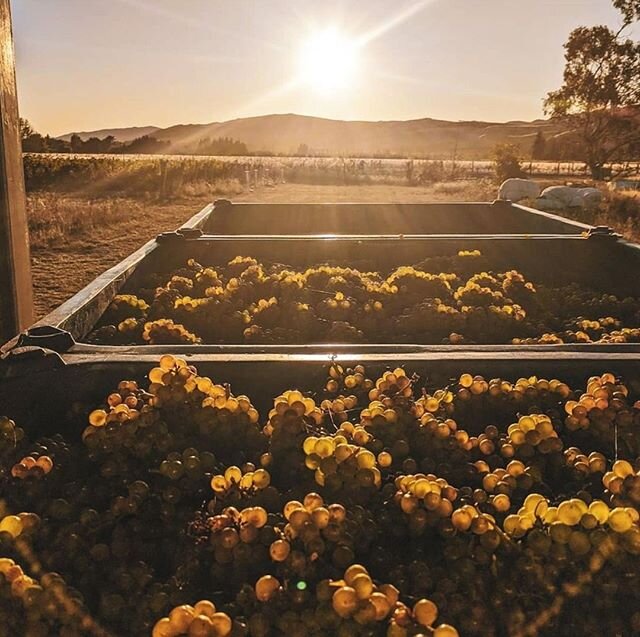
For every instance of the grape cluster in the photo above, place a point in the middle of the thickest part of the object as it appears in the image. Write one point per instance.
(313, 530)
(30, 467)
(429, 501)
(339, 465)
(603, 330)
(40, 606)
(249, 302)
(352, 605)
(10, 436)
(162, 331)
(191, 464)
(199, 620)
(126, 306)
(246, 482)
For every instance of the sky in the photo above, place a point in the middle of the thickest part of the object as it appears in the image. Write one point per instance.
(92, 64)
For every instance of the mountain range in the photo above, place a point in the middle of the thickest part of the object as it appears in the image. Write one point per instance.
(289, 133)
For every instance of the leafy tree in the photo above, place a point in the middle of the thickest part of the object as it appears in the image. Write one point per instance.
(144, 145)
(76, 143)
(53, 145)
(630, 10)
(506, 159)
(600, 95)
(32, 142)
(26, 130)
(221, 146)
(539, 147)
(96, 145)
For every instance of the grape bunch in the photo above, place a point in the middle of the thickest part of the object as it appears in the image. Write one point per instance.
(199, 620)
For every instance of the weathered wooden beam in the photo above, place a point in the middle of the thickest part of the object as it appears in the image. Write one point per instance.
(16, 293)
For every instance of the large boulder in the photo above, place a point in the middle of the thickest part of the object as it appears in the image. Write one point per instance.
(591, 197)
(516, 189)
(559, 197)
(565, 196)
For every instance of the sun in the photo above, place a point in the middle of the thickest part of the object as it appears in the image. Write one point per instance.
(328, 61)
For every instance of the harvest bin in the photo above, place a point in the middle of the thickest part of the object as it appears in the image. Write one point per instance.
(591, 256)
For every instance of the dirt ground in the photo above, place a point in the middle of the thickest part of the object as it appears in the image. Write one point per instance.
(62, 269)
(59, 271)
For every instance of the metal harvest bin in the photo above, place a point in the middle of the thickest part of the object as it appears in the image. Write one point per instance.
(596, 258)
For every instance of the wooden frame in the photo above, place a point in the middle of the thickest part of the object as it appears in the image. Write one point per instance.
(16, 294)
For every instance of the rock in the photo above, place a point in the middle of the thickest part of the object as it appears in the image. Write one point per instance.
(591, 197)
(558, 197)
(516, 189)
(565, 195)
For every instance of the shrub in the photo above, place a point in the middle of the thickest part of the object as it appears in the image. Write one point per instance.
(506, 159)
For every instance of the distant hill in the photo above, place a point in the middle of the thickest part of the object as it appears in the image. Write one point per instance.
(287, 133)
(121, 134)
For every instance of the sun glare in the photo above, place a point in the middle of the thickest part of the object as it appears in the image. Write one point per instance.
(328, 61)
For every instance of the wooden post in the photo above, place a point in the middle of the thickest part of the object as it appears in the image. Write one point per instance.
(16, 293)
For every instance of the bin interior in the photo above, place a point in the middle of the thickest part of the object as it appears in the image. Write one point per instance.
(499, 217)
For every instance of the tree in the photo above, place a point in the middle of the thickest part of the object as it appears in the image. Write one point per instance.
(76, 143)
(26, 130)
(630, 10)
(600, 94)
(507, 162)
(539, 147)
(32, 142)
(144, 145)
(221, 146)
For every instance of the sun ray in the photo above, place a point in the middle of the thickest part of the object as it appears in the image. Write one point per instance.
(393, 22)
(286, 87)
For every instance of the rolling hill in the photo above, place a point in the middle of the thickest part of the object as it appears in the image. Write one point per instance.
(286, 133)
(121, 134)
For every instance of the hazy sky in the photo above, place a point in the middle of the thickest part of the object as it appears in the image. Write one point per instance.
(89, 64)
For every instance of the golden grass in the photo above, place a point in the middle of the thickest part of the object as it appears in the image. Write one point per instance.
(138, 176)
(466, 190)
(619, 210)
(55, 219)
